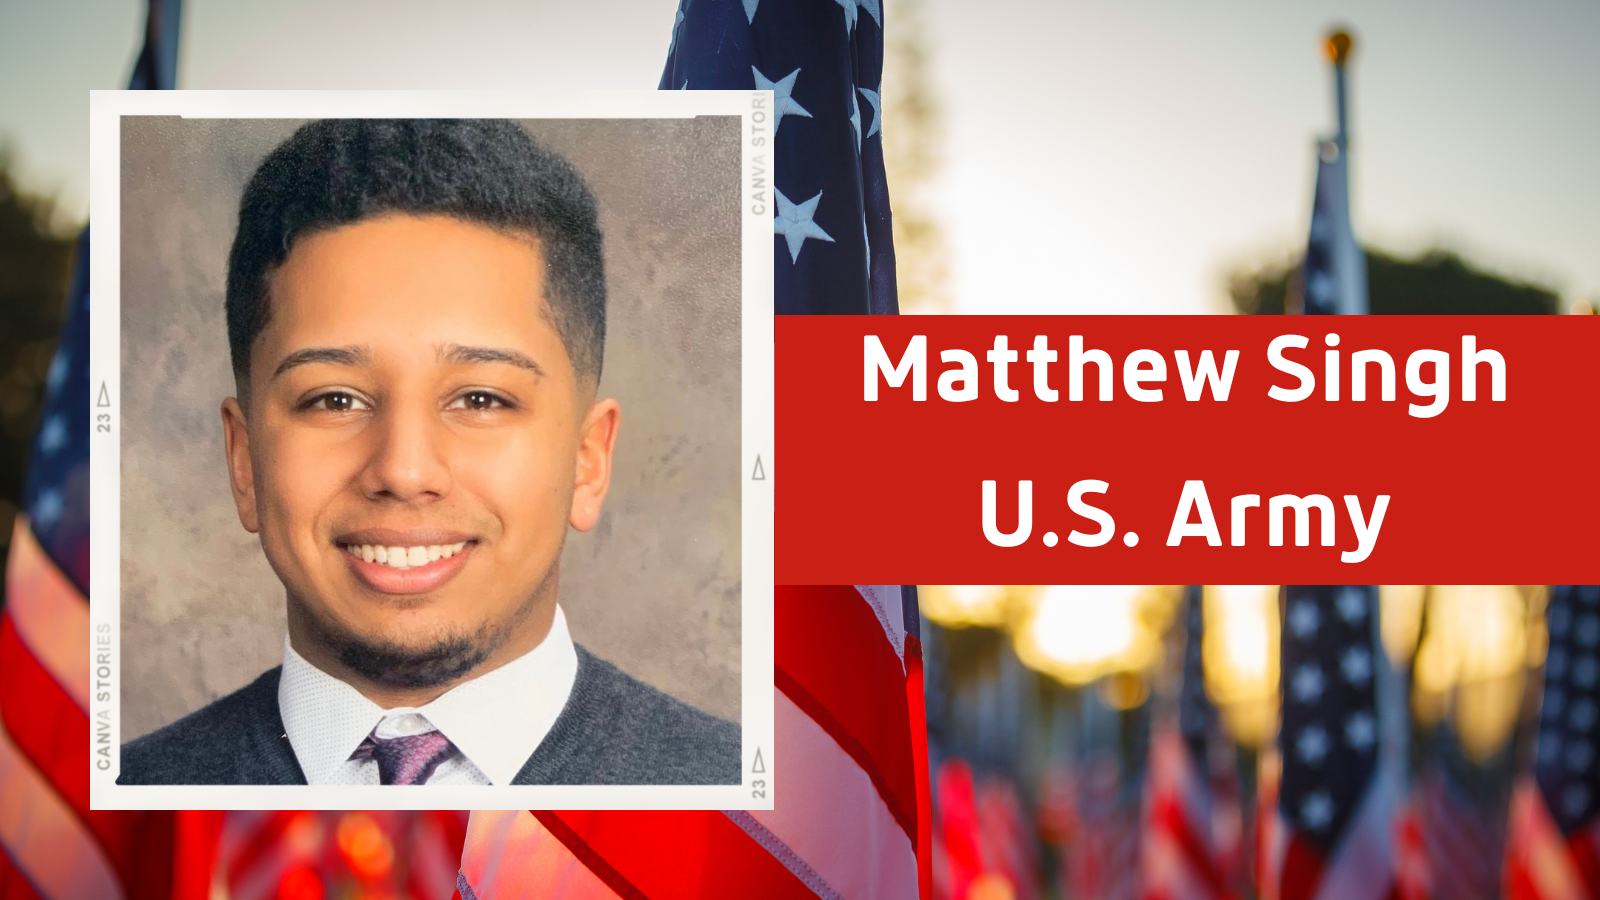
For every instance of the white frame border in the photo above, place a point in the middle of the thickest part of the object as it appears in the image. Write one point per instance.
(756, 430)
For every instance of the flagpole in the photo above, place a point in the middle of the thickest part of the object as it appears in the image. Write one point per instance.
(1338, 47)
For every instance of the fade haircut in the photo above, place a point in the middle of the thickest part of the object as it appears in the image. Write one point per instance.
(336, 172)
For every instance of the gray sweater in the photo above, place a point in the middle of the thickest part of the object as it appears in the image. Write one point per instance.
(613, 730)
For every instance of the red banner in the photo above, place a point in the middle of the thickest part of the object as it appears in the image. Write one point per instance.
(1040, 449)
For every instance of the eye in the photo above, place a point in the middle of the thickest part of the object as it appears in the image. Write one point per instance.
(479, 401)
(337, 402)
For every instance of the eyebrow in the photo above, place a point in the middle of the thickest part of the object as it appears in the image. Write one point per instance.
(338, 356)
(462, 356)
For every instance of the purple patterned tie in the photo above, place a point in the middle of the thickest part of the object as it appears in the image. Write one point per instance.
(408, 759)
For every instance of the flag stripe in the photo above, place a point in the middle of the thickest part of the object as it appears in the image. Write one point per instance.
(828, 813)
(43, 837)
(706, 854)
(585, 854)
(13, 884)
(49, 614)
(886, 605)
(834, 662)
(48, 730)
(511, 854)
(46, 726)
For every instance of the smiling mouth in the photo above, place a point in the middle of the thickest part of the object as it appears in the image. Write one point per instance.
(397, 557)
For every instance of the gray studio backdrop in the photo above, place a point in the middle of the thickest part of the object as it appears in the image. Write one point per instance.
(655, 588)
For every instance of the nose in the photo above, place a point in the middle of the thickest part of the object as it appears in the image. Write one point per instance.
(407, 461)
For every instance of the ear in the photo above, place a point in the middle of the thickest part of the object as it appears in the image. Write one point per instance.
(241, 471)
(593, 475)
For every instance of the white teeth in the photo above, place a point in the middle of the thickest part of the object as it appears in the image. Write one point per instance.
(404, 557)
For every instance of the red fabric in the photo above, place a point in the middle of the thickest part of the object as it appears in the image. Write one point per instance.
(834, 661)
(1168, 815)
(916, 703)
(686, 855)
(52, 732)
(1302, 870)
(195, 853)
(1585, 847)
(13, 886)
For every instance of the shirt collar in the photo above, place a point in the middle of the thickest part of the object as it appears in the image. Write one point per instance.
(496, 720)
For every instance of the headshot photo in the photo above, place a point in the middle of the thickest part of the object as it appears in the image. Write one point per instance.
(431, 467)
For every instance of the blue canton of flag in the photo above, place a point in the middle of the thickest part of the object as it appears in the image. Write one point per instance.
(823, 61)
(1196, 716)
(1334, 277)
(56, 497)
(1330, 721)
(1568, 764)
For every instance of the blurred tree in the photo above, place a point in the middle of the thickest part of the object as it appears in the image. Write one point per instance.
(35, 261)
(913, 137)
(1437, 282)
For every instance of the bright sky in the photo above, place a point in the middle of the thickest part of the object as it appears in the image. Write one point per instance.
(1102, 156)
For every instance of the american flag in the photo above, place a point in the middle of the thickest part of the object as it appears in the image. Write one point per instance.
(851, 806)
(852, 811)
(823, 61)
(55, 847)
(1182, 859)
(1554, 848)
(1334, 276)
(1335, 805)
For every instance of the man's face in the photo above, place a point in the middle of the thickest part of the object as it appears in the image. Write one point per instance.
(415, 442)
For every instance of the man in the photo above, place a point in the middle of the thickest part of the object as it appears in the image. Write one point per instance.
(416, 314)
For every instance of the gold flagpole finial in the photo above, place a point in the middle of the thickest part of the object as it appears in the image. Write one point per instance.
(1337, 46)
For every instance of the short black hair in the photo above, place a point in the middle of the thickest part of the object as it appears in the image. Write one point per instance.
(335, 172)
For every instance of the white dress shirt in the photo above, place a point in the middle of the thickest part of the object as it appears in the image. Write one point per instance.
(496, 720)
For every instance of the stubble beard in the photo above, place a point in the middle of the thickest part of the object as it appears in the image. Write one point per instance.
(443, 660)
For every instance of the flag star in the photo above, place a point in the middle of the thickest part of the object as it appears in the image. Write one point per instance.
(750, 11)
(57, 372)
(1357, 665)
(1574, 800)
(47, 509)
(1579, 755)
(782, 102)
(1582, 715)
(1303, 619)
(1307, 684)
(1588, 630)
(1312, 745)
(1317, 811)
(685, 85)
(1586, 671)
(1352, 604)
(53, 435)
(1360, 731)
(855, 120)
(793, 221)
(877, 109)
(852, 10)
(1319, 288)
